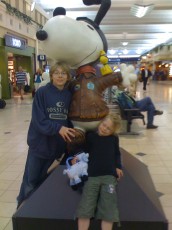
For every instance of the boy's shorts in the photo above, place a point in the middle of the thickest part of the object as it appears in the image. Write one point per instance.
(99, 199)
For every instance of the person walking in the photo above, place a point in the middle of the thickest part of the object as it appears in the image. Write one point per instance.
(21, 79)
(48, 131)
(145, 75)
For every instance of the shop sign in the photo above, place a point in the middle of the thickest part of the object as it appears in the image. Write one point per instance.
(41, 57)
(129, 59)
(15, 42)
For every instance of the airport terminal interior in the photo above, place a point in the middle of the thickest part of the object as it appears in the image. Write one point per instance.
(152, 147)
(137, 41)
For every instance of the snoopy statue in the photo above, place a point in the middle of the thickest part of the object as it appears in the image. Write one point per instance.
(80, 43)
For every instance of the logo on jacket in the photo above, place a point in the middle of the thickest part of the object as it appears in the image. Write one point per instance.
(60, 104)
(90, 85)
(57, 116)
(58, 112)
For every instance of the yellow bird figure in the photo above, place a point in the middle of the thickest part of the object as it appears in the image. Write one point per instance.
(105, 69)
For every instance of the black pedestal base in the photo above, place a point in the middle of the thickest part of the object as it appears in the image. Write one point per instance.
(53, 205)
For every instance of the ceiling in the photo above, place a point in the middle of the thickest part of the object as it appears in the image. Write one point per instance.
(120, 26)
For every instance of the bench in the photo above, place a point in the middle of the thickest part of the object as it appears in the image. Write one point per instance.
(129, 115)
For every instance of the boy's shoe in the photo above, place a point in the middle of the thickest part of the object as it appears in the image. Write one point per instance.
(152, 126)
(158, 112)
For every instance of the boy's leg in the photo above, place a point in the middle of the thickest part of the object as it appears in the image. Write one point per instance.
(83, 223)
(105, 225)
(35, 173)
(107, 208)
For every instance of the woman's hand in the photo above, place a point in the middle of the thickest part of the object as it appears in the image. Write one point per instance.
(67, 133)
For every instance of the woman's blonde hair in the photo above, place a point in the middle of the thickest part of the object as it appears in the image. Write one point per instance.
(64, 67)
(39, 70)
(116, 121)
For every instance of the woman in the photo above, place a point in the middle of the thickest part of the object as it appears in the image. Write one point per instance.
(37, 78)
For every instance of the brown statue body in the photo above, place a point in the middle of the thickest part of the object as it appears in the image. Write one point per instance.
(88, 106)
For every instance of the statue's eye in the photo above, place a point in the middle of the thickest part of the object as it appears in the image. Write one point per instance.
(90, 27)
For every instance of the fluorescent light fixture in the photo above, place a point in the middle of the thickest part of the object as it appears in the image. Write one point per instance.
(123, 56)
(124, 43)
(32, 6)
(125, 51)
(111, 51)
(141, 10)
(138, 51)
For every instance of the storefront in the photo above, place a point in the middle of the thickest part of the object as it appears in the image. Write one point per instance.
(14, 52)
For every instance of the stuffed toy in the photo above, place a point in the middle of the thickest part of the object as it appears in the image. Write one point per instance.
(80, 43)
(129, 79)
(45, 79)
(77, 172)
(128, 73)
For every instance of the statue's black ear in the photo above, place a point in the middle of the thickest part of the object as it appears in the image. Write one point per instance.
(59, 11)
(41, 35)
(91, 2)
(105, 5)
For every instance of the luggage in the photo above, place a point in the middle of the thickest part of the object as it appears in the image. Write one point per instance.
(2, 104)
(27, 88)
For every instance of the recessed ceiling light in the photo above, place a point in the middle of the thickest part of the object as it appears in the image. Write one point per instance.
(124, 43)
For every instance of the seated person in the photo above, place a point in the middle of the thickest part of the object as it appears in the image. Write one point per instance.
(145, 105)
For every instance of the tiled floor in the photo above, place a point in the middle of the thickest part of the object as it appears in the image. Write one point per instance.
(155, 144)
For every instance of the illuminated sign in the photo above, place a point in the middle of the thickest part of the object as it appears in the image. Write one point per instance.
(41, 57)
(15, 42)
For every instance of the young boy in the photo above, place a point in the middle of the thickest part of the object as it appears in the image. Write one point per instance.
(48, 131)
(104, 169)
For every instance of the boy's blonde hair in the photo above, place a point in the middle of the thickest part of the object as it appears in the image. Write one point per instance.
(116, 120)
(64, 67)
